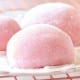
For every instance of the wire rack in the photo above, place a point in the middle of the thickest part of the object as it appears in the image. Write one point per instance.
(70, 73)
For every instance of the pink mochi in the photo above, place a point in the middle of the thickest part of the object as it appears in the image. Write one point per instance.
(38, 46)
(8, 27)
(62, 15)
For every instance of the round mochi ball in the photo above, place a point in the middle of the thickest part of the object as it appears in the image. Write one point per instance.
(62, 15)
(8, 27)
(38, 46)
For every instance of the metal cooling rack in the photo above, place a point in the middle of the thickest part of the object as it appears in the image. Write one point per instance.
(70, 73)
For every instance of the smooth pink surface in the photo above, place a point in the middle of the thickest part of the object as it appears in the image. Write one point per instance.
(8, 27)
(38, 46)
(61, 15)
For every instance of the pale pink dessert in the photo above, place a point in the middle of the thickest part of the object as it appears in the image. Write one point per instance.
(61, 15)
(38, 46)
(8, 27)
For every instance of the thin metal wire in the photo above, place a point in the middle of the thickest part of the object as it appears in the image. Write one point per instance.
(51, 77)
(68, 76)
(15, 77)
(34, 78)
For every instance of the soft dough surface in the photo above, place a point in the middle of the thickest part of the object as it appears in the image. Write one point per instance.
(38, 46)
(61, 15)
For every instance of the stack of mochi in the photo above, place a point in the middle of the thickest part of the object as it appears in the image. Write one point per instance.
(48, 36)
